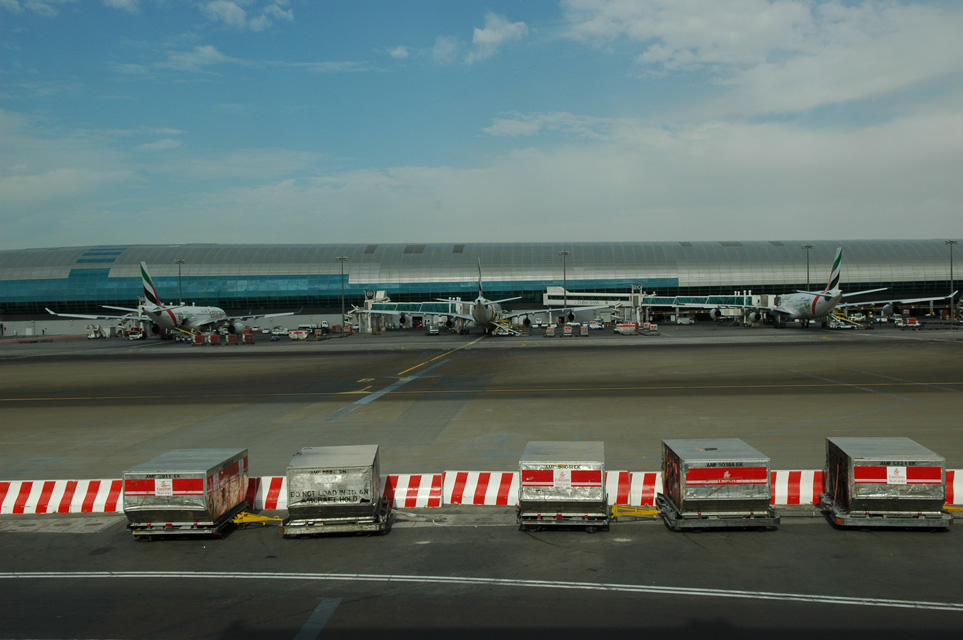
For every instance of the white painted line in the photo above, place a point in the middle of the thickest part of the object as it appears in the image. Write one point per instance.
(315, 624)
(488, 582)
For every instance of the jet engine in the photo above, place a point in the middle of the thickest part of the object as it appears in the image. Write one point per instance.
(888, 310)
(236, 327)
(715, 314)
(754, 316)
(449, 323)
(402, 319)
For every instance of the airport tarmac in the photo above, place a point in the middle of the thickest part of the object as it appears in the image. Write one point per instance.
(90, 409)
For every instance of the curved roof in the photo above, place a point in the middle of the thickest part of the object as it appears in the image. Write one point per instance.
(276, 274)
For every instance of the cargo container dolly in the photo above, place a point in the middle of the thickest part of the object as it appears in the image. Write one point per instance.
(884, 482)
(715, 483)
(562, 484)
(335, 490)
(186, 492)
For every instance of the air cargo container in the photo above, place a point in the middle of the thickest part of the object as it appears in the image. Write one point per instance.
(884, 482)
(335, 490)
(186, 491)
(562, 483)
(716, 482)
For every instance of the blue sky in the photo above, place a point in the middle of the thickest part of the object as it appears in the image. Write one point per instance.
(171, 121)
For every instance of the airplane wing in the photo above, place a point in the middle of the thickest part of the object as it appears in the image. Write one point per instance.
(93, 317)
(255, 315)
(867, 303)
(531, 312)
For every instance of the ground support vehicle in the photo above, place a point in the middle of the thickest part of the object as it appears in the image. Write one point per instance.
(562, 484)
(186, 492)
(715, 483)
(335, 490)
(884, 482)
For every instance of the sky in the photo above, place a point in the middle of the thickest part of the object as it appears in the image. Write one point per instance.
(310, 121)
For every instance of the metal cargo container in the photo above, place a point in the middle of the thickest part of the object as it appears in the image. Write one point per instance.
(335, 489)
(884, 482)
(186, 491)
(716, 482)
(562, 483)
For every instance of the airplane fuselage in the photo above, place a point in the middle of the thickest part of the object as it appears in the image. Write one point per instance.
(808, 306)
(184, 316)
(484, 311)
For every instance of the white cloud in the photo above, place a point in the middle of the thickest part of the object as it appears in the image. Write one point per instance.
(161, 145)
(398, 53)
(783, 56)
(12, 6)
(229, 13)
(52, 175)
(715, 180)
(445, 51)
(569, 123)
(681, 33)
(497, 31)
(43, 8)
(130, 6)
(235, 16)
(195, 60)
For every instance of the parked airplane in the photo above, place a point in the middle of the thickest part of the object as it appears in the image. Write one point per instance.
(177, 318)
(485, 313)
(805, 306)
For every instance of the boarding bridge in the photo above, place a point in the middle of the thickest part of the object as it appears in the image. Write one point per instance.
(425, 310)
(639, 304)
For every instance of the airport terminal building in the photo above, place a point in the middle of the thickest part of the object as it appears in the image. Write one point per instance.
(246, 278)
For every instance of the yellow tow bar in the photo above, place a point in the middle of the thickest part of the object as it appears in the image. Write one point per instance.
(252, 518)
(637, 512)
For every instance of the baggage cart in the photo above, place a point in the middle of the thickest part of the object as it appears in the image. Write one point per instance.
(186, 491)
(335, 490)
(562, 484)
(715, 483)
(884, 482)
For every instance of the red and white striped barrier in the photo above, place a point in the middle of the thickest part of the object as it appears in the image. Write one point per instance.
(644, 487)
(481, 487)
(954, 486)
(495, 488)
(60, 496)
(796, 487)
(269, 493)
(410, 491)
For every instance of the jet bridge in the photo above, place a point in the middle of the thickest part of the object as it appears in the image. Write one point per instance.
(638, 306)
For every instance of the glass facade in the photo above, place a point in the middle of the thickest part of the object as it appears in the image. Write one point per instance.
(261, 278)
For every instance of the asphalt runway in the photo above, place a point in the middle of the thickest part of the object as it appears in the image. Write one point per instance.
(90, 409)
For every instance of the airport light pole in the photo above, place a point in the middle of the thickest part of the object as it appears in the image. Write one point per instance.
(342, 260)
(564, 254)
(807, 247)
(180, 294)
(950, 244)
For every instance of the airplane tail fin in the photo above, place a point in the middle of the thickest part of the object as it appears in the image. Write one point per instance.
(834, 274)
(480, 294)
(150, 291)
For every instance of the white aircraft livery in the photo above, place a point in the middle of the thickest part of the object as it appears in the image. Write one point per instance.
(175, 318)
(804, 306)
(485, 313)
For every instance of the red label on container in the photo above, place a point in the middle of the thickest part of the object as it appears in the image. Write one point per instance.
(178, 486)
(727, 475)
(885, 475)
(547, 477)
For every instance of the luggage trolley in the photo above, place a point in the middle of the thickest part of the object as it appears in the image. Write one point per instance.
(715, 483)
(884, 482)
